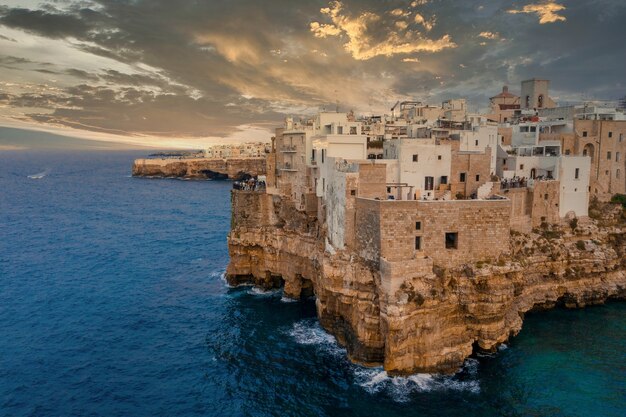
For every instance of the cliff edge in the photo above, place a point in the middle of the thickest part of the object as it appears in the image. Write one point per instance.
(416, 315)
(199, 168)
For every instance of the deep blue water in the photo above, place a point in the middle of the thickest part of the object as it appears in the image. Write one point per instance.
(112, 303)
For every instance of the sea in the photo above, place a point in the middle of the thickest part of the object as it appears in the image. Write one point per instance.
(113, 303)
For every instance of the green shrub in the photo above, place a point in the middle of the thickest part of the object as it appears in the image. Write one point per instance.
(619, 199)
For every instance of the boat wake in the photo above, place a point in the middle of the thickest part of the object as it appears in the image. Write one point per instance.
(39, 175)
(376, 380)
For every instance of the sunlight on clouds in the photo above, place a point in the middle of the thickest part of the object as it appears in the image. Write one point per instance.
(363, 45)
(547, 11)
(489, 35)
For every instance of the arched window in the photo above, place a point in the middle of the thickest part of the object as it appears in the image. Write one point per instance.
(588, 150)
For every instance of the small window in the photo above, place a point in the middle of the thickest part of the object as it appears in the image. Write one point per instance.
(521, 166)
(476, 141)
(313, 155)
(439, 157)
(617, 156)
(621, 137)
(418, 225)
(323, 156)
(477, 177)
(352, 192)
(567, 152)
(388, 189)
(584, 134)
(606, 172)
(414, 158)
(452, 240)
(545, 196)
(610, 134)
(418, 243)
(576, 173)
(608, 155)
(353, 130)
(444, 179)
(462, 179)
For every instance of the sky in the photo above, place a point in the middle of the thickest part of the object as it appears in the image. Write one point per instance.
(188, 73)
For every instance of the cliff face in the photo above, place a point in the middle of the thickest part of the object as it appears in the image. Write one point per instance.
(432, 320)
(199, 168)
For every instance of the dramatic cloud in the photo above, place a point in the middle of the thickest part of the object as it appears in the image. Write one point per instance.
(158, 68)
(360, 31)
(547, 11)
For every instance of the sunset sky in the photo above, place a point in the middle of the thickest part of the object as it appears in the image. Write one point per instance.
(188, 73)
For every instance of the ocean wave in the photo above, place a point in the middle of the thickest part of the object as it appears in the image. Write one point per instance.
(399, 388)
(376, 380)
(284, 299)
(260, 292)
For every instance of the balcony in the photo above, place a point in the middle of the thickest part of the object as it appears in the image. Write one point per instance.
(289, 149)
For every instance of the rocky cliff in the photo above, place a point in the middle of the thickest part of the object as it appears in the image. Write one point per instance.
(199, 168)
(430, 321)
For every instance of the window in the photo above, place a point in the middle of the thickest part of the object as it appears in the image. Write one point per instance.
(606, 172)
(540, 100)
(444, 179)
(610, 134)
(418, 225)
(608, 155)
(429, 183)
(340, 130)
(452, 240)
(567, 152)
(323, 156)
(617, 173)
(414, 158)
(545, 196)
(313, 155)
(576, 173)
(476, 141)
(521, 166)
(584, 133)
(621, 137)
(323, 184)
(352, 192)
(462, 179)
(439, 157)
(418, 243)
(477, 177)
(353, 130)
(617, 156)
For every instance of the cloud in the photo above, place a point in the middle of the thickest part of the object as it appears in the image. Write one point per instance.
(200, 69)
(489, 35)
(369, 36)
(547, 11)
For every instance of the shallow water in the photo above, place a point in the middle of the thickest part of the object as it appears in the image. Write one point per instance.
(112, 303)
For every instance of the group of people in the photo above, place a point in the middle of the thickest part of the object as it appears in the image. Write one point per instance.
(251, 184)
(515, 182)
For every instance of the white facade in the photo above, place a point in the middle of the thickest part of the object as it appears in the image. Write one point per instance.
(574, 173)
(422, 164)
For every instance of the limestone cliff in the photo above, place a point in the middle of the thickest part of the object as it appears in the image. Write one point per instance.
(199, 168)
(432, 320)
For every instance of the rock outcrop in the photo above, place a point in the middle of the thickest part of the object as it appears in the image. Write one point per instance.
(199, 168)
(430, 321)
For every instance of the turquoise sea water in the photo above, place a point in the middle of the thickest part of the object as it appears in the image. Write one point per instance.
(112, 303)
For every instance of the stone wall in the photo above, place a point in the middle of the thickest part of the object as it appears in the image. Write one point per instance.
(482, 228)
(475, 166)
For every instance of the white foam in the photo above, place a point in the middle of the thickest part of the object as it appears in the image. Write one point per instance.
(376, 380)
(309, 332)
(503, 346)
(284, 299)
(258, 291)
